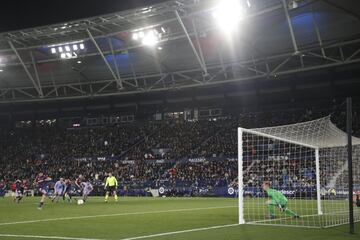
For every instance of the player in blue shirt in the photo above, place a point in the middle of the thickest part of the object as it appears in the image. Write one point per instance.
(59, 190)
(42, 182)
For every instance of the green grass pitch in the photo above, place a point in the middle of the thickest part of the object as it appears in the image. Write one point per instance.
(145, 218)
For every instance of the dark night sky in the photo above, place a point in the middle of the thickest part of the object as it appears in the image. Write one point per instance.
(16, 14)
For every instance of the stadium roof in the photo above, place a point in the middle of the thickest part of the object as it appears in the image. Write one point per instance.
(194, 51)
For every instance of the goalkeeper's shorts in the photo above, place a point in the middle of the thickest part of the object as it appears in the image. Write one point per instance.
(281, 206)
(111, 188)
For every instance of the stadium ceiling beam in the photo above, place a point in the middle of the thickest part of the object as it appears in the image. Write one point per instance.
(114, 33)
(232, 80)
(242, 63)
(37, 87)
(317, 31)
(199, 45)
(115, 62)
(118, 80)
(276, 69)
(337, 6)
(25, 93)
(353, 55)
(83, 27)
(36, 72)
(221, 59)
(323, 57)
(133, 70)
(178, 77)
(157, 82)
(75, 88)
(201, 63)
(288, 19)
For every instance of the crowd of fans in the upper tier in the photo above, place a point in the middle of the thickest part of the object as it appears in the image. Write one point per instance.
(53, 150)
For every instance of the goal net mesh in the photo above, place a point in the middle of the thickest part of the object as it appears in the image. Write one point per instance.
(307, 164)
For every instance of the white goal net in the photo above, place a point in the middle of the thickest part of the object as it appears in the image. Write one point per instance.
(296, 175)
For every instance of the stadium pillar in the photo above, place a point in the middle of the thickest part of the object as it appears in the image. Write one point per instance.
(350, 171)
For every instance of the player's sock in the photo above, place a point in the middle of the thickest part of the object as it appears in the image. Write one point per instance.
(41, 205)
(106, 197)
(116, 197)
(271, 211)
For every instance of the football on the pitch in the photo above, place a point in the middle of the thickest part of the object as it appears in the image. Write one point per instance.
(80, 202)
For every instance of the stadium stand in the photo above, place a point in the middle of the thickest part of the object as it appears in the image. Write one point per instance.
(183, 155)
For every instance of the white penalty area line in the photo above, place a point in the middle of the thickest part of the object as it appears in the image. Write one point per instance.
(43, 237)
(128, 238)
(114, 215)
(181, 231)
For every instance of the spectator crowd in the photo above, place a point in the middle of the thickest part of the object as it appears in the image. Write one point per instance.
(135, 147)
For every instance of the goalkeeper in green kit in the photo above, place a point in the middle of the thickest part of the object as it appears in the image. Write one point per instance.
(277, 200)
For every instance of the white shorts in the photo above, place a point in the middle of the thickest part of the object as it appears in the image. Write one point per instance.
(18, 193)
(85, 192)
(58, 192)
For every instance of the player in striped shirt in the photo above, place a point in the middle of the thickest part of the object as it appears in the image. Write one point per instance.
(68, 192)
(42, 183)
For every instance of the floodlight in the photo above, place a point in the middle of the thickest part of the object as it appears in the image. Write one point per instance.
(82, 46)
(141, 34)
(163, 29)
(248, 3)
(60, 49)
(67, 48)
(135, 36)
(63, 55)
(1, 70)
(53, 50)
(293, 5)
(79, 62)
(159, 48)
(75, 47)
(228, 13)
(68, 55)
(150, 39)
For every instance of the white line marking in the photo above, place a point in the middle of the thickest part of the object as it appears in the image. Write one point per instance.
(129, 238)
(181, 231)
(44, 237)
(113, 215)
(283, 218)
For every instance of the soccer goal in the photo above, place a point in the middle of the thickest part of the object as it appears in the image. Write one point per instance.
(296, 175)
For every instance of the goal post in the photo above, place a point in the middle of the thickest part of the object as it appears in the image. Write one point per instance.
(318, 185)
(240, 177)
(304, 162)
